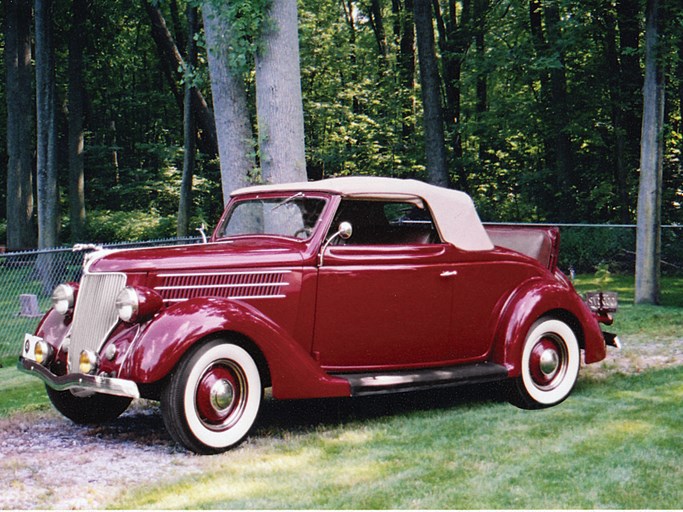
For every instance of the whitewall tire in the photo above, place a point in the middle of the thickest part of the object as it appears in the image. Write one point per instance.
(213, 398)
(549, 366)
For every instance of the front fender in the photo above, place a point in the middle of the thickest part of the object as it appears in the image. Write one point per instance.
(537, 298)
(163, 342)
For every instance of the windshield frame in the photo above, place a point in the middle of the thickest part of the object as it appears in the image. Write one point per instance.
(278, 198)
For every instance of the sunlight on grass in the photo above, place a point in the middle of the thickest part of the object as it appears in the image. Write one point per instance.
(20, 392)
(613, 444)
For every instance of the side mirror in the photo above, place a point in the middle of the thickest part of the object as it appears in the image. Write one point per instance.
(344, 231)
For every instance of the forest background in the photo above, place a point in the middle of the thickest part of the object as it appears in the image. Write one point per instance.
(540, 105)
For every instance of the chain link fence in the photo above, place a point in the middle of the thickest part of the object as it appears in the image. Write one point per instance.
(27, 279)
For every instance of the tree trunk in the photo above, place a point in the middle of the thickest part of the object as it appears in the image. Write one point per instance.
(278, 97)
(233, 127)
(564, 157)
(189, 126)
(617, 115)
(435, 151)
(453, 42)
(377, 22)
(75, 121)
(20, 228)
(480, 10)
(648, 238)
(46, 135)
(404, 29)
(631, 99)
(554, 103)
(168, 52)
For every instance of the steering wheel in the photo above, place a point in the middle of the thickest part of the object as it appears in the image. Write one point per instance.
(303, 231)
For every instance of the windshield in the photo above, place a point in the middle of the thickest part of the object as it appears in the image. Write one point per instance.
(293, 216)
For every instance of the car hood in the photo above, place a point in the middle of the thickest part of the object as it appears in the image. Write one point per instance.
(238, 253)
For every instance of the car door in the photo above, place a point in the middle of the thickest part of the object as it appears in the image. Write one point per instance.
(384, 297)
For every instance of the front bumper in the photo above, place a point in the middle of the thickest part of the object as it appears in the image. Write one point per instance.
(80, 381)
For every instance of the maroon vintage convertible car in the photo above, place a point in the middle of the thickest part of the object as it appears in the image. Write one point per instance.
(341, 287)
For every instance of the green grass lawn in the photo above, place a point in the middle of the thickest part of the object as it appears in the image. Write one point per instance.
(613, 444)
(617, 442)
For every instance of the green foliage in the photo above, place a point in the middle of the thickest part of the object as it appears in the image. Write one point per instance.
(245, 22)
(355, 116)
(118, 226)
(587, 249)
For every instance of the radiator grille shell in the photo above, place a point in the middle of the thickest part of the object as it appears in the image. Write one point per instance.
(95, 314)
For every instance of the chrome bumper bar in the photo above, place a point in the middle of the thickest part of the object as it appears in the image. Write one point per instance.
(79, 381)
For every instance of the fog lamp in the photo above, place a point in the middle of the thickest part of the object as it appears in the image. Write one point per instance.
(88, 362)
(42, 353)
(63, 298)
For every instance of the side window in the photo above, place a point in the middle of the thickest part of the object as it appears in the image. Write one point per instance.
(386, 223)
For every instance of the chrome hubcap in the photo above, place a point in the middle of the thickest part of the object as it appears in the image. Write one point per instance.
(549, 361)
(222, 395)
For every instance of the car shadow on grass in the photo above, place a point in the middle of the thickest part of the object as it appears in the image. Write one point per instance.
(307, 415)
(142, 425)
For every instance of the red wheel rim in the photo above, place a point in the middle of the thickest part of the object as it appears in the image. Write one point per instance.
(547, 362)
(221, 395)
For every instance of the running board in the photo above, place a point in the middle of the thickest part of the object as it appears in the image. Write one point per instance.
(412, 380)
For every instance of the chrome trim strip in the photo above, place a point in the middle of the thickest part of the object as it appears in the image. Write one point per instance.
(96, 383)
(234, 297)
(212, 286)
(249, 273)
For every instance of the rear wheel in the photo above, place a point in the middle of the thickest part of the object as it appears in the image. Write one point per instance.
(550, 365)
(89, 409)
(213, 398)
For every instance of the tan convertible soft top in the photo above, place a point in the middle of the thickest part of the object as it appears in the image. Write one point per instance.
(454, 213)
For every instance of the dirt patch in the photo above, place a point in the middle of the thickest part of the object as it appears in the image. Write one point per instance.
(638, 354)
(47, 462)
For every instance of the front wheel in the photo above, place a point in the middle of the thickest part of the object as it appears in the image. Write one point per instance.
(213, 398)
(550, 365)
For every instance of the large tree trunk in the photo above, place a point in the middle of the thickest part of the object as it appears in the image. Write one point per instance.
(20, 230)
(278, 97)
(189, 126)
(233, 127)
(648, 239)
(46, 155)
(170, 55)
(435, 151)
(75, 121)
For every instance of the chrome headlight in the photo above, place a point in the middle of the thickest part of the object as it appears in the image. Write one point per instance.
(128, 304)
(64, 298)
(138, 304)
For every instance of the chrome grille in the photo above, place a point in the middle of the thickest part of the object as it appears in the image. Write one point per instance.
(233, 285)
(95, 313)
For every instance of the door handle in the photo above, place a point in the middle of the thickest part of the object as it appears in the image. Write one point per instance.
(449, 273)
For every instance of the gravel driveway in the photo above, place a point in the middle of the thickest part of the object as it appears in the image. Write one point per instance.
(88, 467)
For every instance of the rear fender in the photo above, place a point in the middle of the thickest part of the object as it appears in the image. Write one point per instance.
(164, 341)
(533, 300)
